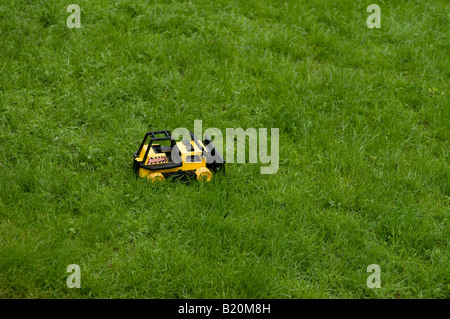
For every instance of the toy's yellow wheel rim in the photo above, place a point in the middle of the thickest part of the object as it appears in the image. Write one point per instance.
(155, 177)
(203, 174)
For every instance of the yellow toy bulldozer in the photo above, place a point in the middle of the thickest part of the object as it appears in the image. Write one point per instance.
(183, 159)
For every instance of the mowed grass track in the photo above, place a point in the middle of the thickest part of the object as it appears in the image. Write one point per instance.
(364, 127)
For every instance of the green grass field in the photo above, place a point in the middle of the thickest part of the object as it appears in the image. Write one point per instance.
(364, 128)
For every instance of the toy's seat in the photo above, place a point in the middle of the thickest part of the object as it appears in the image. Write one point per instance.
(165, 149)
(157, 148)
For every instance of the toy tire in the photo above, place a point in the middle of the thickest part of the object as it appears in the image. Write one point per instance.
(203, 173)
(155, 177)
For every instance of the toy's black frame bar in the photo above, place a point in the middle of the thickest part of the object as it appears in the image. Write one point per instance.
(214, 160)
(167, 137)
